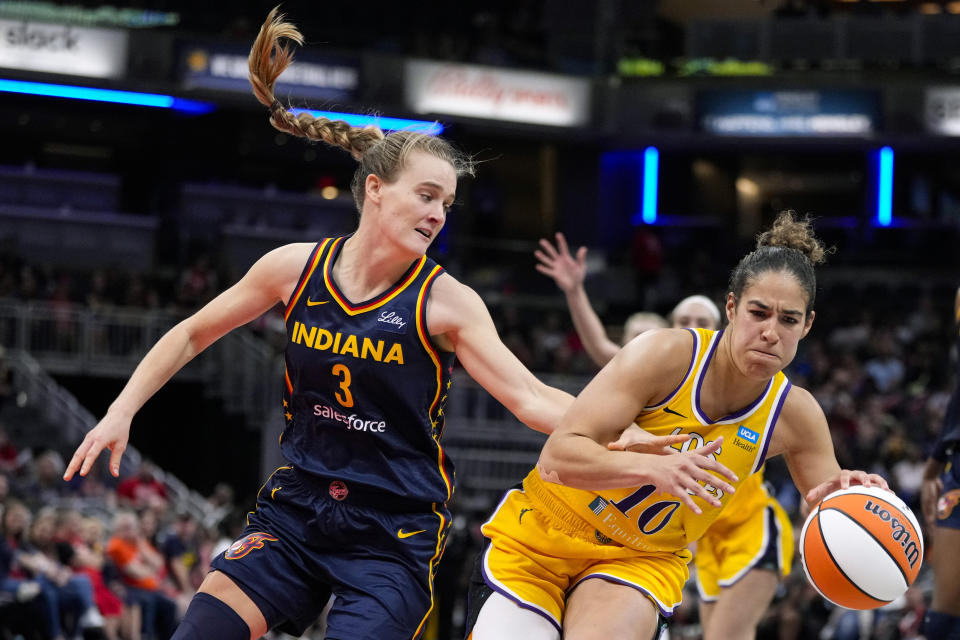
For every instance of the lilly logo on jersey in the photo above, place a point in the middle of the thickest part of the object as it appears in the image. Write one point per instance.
(245, 545)
(391, 321)
(346, 344)
(353, 422)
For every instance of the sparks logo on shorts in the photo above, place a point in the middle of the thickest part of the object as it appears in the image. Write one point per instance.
(748, 435)
(245, 545)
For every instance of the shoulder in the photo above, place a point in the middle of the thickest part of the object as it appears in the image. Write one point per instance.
(289, 255)
(453, 304)
(800, 406)
(656, 361)
(801, 421)
(662, 346)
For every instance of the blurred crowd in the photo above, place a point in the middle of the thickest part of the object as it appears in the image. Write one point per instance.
(99, 559)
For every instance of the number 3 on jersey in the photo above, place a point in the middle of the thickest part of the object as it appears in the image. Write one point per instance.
(342, 372)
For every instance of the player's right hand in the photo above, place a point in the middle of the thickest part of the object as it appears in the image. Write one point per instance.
(111, 433)
(568, 272)
(689, 474)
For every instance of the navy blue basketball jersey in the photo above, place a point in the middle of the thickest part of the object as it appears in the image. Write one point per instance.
(365, 385)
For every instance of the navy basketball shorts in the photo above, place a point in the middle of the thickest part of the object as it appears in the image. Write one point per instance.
(310, 537)
(948, 509)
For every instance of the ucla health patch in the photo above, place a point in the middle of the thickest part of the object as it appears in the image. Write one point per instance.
(750, 436)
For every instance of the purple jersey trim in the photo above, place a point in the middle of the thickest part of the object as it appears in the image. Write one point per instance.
(768, 434)
(626, 583)
(686, 376)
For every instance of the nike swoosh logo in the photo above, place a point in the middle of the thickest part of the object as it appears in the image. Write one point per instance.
(669, 410)
(406, 534)
(313, 303)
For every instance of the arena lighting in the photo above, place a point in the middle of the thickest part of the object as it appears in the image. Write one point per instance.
(651, 173)
(885, 187)
(387, 124)
(106, 95)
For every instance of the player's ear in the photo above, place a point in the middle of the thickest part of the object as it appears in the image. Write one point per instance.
(808, 323)
(373, 188)
(731, 307)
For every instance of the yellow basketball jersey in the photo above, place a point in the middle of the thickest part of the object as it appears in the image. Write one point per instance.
(638, 517)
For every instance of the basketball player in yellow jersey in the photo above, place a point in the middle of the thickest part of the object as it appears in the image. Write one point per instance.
(594, 546)
(749, 548)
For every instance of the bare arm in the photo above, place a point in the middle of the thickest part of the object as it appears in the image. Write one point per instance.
(458, 319)
(269, 281)
(803, 437)
(931, 489)
(569, 273)
(643, 372)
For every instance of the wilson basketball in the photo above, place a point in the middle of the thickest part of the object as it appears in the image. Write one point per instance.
(861, 547)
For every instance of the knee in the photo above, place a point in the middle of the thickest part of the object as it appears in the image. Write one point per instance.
(208, 617)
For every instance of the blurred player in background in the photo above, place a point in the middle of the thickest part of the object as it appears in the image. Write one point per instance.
(940, 498)
(749, 548)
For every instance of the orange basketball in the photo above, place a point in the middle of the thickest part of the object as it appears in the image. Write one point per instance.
(861, 547)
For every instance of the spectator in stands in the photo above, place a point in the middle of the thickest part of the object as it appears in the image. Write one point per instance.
(178, 546)
(143, 489)
(198, 284)
(9, 460)
(142, 569)
(6, 390)
(22, 600)
(112, 592)
(73, 551)
(43, 485)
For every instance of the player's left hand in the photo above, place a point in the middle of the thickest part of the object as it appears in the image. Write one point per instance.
(640, 440)
(845, 478)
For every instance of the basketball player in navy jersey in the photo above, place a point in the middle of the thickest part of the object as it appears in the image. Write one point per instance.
(940, 498)
(373, 327)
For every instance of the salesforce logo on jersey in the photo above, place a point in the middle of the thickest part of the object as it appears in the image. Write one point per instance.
(353, 421)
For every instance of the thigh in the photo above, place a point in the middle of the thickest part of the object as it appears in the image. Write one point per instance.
(599, 610)
(945, 562)
(501, 618)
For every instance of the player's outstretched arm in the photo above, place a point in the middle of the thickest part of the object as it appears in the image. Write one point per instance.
(569, 273)
(803, 437)
(644, 371)
(459, 320)
(269, 281)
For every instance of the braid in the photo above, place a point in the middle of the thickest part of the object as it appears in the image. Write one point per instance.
(268, 59)
(378, 154)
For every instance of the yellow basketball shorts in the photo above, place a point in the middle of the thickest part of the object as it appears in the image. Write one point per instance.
(728, 550)
(536, 560)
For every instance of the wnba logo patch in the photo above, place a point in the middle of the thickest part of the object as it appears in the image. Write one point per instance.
(245, 545)
(338, 490)
(946, 503)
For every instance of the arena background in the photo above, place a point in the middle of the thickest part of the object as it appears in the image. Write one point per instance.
(661, 135)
